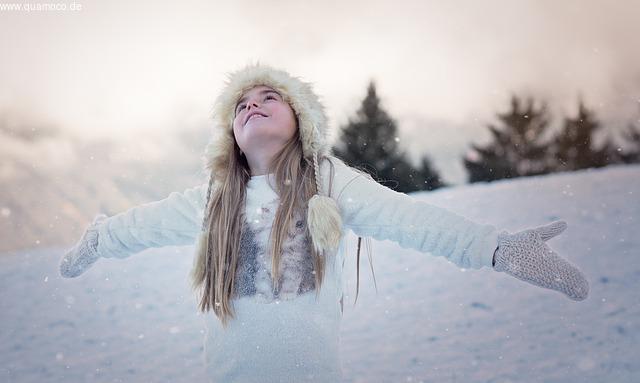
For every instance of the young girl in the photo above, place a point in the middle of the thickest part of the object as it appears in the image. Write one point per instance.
(269, 226)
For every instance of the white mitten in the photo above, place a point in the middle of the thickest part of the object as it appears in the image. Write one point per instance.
(84, 254)
(526, 256)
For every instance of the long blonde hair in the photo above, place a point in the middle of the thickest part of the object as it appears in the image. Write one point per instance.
(214, 273)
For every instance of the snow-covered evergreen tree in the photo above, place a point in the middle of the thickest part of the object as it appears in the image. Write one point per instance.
(370, 141)
(632, 137)
(574, 148)
(517, 148)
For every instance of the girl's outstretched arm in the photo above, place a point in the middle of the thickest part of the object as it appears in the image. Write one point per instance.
(372, 210)
(175, 220)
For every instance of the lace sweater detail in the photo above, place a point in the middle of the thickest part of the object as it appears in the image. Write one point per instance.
(254, 277)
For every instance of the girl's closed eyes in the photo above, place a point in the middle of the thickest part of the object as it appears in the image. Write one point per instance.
(269, 96)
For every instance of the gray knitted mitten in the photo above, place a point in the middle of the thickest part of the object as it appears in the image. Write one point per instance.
(526, 256)
(84, 254)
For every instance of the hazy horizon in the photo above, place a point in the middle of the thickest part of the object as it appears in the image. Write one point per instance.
(443, 69)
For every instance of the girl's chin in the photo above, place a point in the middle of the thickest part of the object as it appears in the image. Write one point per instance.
(259, 128)
(255, 120)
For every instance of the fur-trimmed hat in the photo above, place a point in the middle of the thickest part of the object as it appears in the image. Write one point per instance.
(323, 216)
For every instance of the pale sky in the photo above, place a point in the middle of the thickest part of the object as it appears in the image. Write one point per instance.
(443, 68)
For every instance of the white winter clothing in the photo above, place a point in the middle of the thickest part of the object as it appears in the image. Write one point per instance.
(289, 336)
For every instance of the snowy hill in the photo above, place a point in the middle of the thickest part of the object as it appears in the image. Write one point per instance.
(135, 320)
(54, 184)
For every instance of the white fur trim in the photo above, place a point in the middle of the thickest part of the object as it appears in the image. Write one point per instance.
(299, 94)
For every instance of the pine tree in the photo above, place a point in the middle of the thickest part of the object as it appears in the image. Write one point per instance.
(427, 176)
(409, 178)
(573, 147)
(517, 148)
(370, 140)
(632, 136)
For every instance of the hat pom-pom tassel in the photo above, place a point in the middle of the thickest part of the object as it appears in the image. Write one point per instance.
(325, 224)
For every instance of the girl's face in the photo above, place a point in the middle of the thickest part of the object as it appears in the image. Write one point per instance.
(263, 123)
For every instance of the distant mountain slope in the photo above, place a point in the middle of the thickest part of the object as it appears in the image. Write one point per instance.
(52, 185)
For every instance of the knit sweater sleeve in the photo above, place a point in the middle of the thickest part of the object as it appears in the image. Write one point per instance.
(370, 209)
(174, 220)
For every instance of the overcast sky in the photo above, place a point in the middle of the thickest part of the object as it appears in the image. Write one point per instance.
(443, 68)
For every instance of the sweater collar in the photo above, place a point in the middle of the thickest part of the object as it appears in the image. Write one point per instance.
(263, 184)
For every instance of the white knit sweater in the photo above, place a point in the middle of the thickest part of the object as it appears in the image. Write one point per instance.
(287, 335)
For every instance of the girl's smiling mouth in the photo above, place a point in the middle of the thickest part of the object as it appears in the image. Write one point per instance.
(254, 115)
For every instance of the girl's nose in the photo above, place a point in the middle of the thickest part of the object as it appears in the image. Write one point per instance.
(252, 103)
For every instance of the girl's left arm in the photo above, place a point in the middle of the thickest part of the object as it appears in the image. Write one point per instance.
(174, 220)
(373, 210)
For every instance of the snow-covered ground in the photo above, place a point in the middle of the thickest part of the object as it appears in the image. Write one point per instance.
(135, 320)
